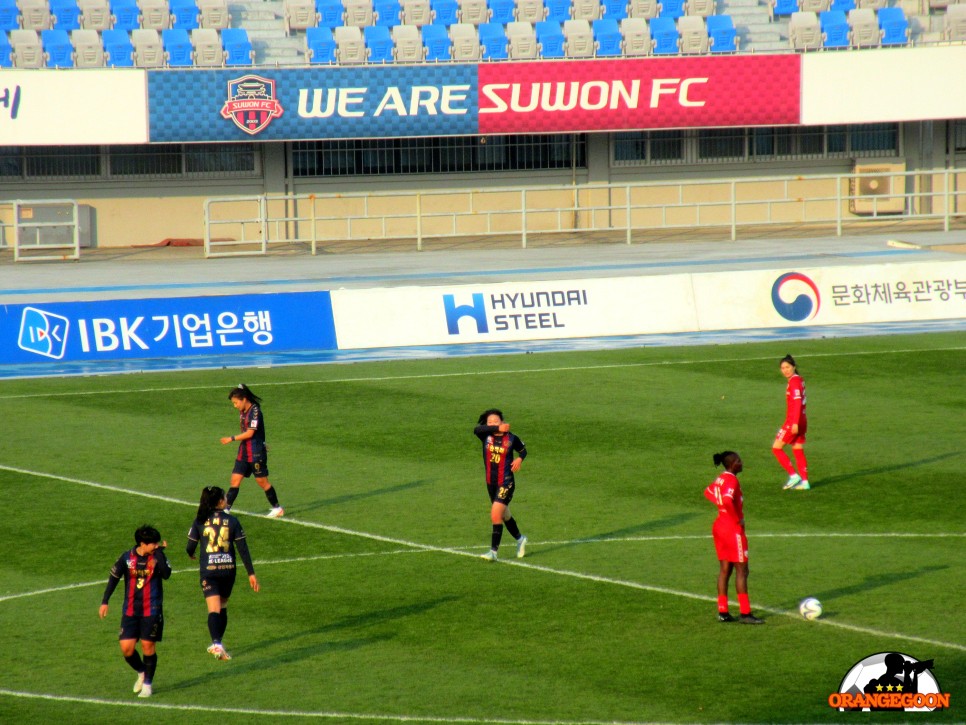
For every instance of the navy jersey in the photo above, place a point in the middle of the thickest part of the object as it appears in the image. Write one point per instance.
(219, 534)
(252, 420)
(143, 577)
(498, 450)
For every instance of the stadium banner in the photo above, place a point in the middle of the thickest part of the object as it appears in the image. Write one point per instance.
(171, 327)
(63, 108)
(407, 316)
(831, 296)
(647, 93)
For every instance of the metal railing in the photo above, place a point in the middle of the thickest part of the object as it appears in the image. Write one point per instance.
(627, 213)
(41, 230)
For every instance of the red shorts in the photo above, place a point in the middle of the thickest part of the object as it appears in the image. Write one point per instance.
(788, 438)
(730, 541)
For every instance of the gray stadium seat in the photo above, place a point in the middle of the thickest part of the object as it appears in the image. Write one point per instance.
(694, 34)
(358, 13)
(814, 6)
(585, 9)
(954, 23)
(89, 48)
(864, 28)
(417, 12)
(473, 12)
(466, 42)
(530, 11)
(208, 51)
(704, 8)
(804, 31)
(637, 37)
(214, 14)
(350, 46)
(35, 15)
(155, 14)
(409, 44)
(646, 9)
(27, 50)
(95, 14)
(523, 40)
(148, 50)
(579, 40)
(872, 4)
(299, 15)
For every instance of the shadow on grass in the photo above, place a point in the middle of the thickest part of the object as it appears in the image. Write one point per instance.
(875, 581)
(650, 526)
(345, 498)
(883, 469)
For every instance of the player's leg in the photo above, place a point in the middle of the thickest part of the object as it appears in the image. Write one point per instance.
(778, 450)
(798, 450)
(514, 530)
(150, 654)
(131, 656)
(272, 497)
(497, 509)
(724, 574)
(233, 484)
(744, 603)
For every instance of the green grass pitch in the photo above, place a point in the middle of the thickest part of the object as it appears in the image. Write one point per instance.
(375, 606)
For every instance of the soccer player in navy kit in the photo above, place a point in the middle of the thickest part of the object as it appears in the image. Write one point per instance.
(143, 569)
(499, 463)
(252, 458)
(219, 534)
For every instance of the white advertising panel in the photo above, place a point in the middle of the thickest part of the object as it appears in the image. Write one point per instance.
(400, 317)
(80, 107)
(888, 84)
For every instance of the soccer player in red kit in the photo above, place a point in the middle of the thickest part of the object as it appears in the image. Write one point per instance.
(792, 432)
(730, 541)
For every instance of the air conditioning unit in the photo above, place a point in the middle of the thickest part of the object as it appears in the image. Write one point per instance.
(878, 187)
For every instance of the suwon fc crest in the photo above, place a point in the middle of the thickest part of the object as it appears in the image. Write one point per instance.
(251, 103)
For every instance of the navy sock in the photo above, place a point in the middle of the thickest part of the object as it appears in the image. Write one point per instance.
(135, 661)
(496, 536)
(231, 496)
(271, 496)
(214, 626)
(224, 622)
(511, 526)
(150, 665)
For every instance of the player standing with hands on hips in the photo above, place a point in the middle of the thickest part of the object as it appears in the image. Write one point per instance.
(499, 463)
(143, 569)
(252, 458)
(730, 541)
(793, 429)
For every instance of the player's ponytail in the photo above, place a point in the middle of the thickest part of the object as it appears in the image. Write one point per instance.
(242, 391)
(211, 496)
(723, 458)
(790, 360)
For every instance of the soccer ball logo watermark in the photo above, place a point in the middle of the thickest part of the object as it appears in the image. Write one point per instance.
(890, 681)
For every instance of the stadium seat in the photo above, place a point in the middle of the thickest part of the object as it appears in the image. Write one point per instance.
(125, 15)
(530, 11)
(184, 14)
(238, 47)
(148, 50)
(155, 14)
(585, 10)
(672, 9)
(614, 9)
(814, 6)
(522, 40)
(66, 14)
(473, 12)
(704, 8)
(329, 13)
(871, 4)
(835, 29)
(319, 45)
(465, 40)
(359, 13)
(894, 26)
(416, 12)
(722, 34)
(863, 28)
(350, 46)
(408, 44)
(558, 11)
(178, 51)
(578, 39)
(58, 50)
(607, 38)
(207, 50)
(844, 5)
(27, 50)
(437, 43)
(494, 42)
(35, 15)
(664, 33)
(213, 14)
(88, 48)
(9, 16)
(118, 49)
(95, 14)
(501, 11)
(637, 37)
(379, 45)
(804, 31)
(694, 35)
(445, 12)
(6, 52)
(954, 23)
(299, 15)
(387, 13)
(782, 7)
(550, 39)
(645, 9)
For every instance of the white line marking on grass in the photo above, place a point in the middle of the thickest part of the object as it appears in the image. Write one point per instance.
(525, 565)
(705, 537)
(307, 714)
(471, 373)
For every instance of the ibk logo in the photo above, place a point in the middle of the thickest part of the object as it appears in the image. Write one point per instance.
(251, 103)
(43, 333)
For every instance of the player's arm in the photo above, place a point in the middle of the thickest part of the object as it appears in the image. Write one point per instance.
(163, 566)
(112, 581)
(794, 412)
(728, 504)
(482, 431)
(241, 544)
(521, 450)
(238, 437)
(192, 540)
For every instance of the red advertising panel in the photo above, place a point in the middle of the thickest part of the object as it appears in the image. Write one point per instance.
(610, 95)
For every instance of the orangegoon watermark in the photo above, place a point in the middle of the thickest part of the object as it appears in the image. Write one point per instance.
(890, 681)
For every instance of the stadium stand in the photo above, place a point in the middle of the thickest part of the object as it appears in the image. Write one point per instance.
(359, 13)
(416, 12)
(213, 14)
(238, 47)
(88, 47)
(813, 6)
(608, 40)
(531, 11)
(125, 15)
(578, 39)
(95, 14)
(299, 15)
(473, 12)
(894, 26)
(178, 51)
(863, 28)
(148, 50)
(379, 45)
(184, 14)
(704, 8)
(35, 15)
(445, 12)
(387, 13)
(494, 42)
(637, 37)
(436, 43)
(27, 50)
(835, 29)
(118, 49)
(155, 14)
(693, 34)
(206, 47)
(58, 50)
(9, 15)
(350, 46)
(722, 34)
(585, 9)
(646, 9)
(66, 14)
(664, 33)
(522, 40)
(502, 11)
(408, 44)
(804, 31)
(550, 39)
(319, 45)
(954, 23)
(465, 42)
(328, 14)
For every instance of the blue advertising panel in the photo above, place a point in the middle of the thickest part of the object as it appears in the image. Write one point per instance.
(109, 330)
(313, 103)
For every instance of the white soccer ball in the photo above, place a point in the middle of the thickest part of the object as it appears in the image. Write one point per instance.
(810, 608)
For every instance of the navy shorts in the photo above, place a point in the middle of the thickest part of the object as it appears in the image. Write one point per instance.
(220, 586)
(146, 629)
(501, 494)
(258, 467)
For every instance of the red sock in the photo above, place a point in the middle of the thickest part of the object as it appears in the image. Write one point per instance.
(783, 460)
(723, 603)
(799, 454)
(744, 605)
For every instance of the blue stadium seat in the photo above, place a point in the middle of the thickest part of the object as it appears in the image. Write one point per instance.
(721, 31)
(237, 45)
(118, 48)
(784, 7)
(330, 13)
(379, 42)
(607, 35)
(550, 38)
(835, 29)
(125, 14)
(502, 11)
(615, 9)
(177, 47)
(66, 13)
(558, 11)
(6, 51)
(387, 13)
(321, 44)
(437, 43)
(844, 5)
(184, 14)
(58, 48)
(446, 12)
(894, 26)
(494, 41)
(664, 33)
(9, 15)
(672, 8)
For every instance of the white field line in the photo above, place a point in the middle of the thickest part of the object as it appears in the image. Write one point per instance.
(472, 373)
(517, 563)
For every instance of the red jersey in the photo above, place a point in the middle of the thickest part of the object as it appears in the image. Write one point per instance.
(795, 401)
(725, 493)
